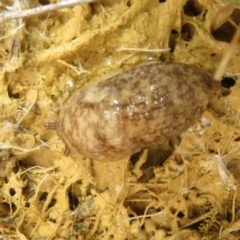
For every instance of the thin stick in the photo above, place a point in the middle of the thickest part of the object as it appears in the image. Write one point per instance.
(6, 16)
(226, 58)
(79, 72)
(143, 49)
(9, 146)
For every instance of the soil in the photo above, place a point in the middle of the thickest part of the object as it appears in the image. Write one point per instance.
(191, 193)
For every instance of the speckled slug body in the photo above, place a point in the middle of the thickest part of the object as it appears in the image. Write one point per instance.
(116, 117)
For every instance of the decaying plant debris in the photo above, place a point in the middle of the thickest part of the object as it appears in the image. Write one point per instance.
(45, 58)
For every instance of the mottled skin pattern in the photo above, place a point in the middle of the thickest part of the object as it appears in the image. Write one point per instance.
(118, 116)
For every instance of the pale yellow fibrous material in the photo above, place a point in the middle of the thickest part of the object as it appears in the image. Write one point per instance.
(44, 59)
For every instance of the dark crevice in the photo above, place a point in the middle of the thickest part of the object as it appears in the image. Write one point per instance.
(228, 82)
(193, 8)
(236, 16)
(12, 92)
(12, 191)
(237, 139)
(73, 200)
(44, 2)
(172, 40)
(52, 203)
(180, 214)
(224, 33)
(43, 197)
(129, 4)
(203, 15)
(187, 32)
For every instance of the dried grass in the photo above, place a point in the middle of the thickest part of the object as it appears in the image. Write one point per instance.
(45, 58)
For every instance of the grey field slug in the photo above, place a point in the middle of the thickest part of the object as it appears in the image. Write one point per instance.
(151, 103)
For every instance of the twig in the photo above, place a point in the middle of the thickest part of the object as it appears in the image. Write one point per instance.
(9, 146)
(226, 58)
(79, 70)
(24, 115)
(14, 31)
(143, 49)
(6, 16)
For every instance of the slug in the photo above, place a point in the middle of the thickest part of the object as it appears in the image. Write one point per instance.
(118, 116)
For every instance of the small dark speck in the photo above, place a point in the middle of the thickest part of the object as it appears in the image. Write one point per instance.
(129, 4)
